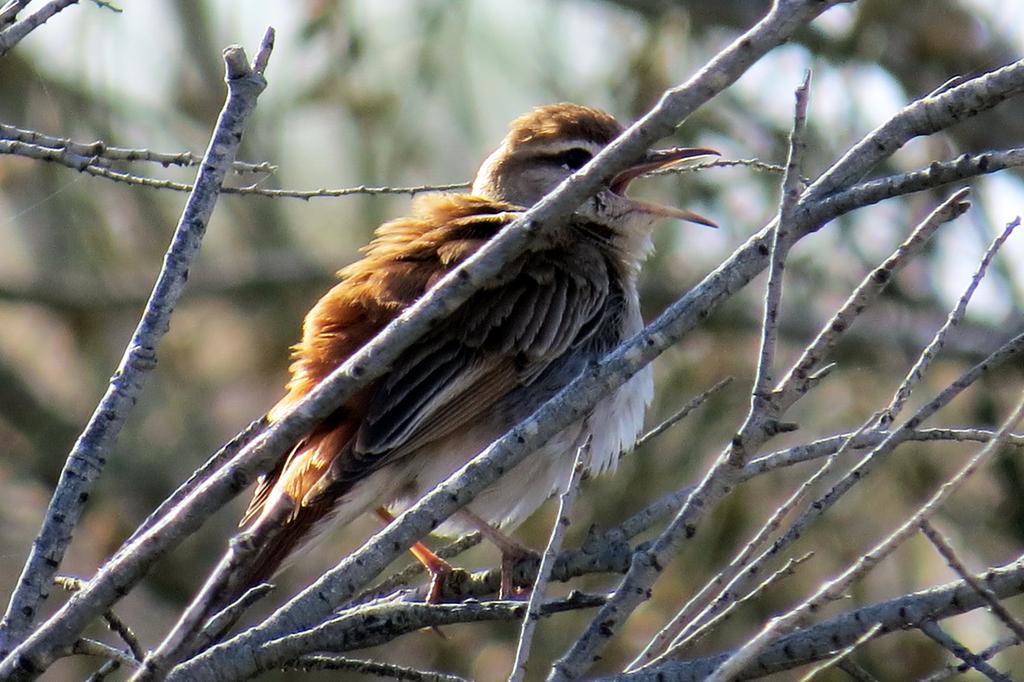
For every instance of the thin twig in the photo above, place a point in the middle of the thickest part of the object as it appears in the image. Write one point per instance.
(835, 588)
(928, 354)
(870, 439)
(949, 554)
(937, 174)
(14, 34)
(89, 158)
(854, 671)
(220, 622)
(253, 190)
(756, 164)
(88, 456)
(554, 546)
(819, 642)
(215, 462)
(946, 641)
(798, 379)
(91, 647)
(986, 654)
(116, 625)
(680, 414)
(792, 188)
(312, 663)
(104, 671)
(692, 636)
(99, 150)
(841, 656)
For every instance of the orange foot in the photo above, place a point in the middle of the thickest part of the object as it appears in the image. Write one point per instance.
(439, 569)
(512, 553)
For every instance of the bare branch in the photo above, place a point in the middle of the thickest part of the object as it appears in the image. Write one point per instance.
(854, 671)
(946, 550)
(90, 647)
(792, 188)
(374, 624)
(692, 635)
(797, 380)
(943, 638)
(558, 528)
(680, 414)
(824, 640)
(87, 458)
(15, 33)
(104, 671)
(220, 622)
(215, 462)
(755, 164)
(98, 152)
(954, 670)
(924, 117)
(839, 659)
(937, 174)
(391, 672)
(834, 588)
(115, 624)
(955, 315)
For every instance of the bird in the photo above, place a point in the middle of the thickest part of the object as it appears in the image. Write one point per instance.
(510, 347)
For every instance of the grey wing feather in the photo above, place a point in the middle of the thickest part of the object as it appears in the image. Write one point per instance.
(501, 338)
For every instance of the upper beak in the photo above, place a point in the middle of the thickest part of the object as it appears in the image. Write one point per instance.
(657, 159)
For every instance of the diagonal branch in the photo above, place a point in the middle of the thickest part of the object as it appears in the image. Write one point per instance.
(99, 151)
(823, 640)
(834, 588)
(15, 33)
(88, 456)
(125, 569)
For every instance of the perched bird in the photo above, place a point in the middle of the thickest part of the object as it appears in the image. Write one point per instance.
(504, 352)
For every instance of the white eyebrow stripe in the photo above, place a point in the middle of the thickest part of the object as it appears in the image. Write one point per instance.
(554, 147)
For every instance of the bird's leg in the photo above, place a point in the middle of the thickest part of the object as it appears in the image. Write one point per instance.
(512, 553)
(438, 568)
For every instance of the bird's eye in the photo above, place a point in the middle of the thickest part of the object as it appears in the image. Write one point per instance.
(573, 159)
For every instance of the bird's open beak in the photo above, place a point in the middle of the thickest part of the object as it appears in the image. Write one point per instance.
(656, 160)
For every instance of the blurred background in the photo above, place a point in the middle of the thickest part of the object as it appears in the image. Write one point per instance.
(410, 93)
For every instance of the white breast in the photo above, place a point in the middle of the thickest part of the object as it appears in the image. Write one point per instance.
(612, 427)
(618, 420)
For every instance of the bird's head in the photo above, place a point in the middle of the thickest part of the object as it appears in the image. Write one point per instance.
(550, 143)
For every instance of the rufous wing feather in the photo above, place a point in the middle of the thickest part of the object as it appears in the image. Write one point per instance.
(503, 337)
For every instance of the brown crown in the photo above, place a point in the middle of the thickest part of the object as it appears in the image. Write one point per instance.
(564, 121)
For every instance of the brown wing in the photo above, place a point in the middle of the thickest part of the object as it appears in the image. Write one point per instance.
(503, 337)
(405, 258)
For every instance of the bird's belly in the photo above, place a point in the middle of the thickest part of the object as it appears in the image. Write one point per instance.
(612, 427)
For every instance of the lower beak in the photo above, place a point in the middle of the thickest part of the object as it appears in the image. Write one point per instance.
(656, 160)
